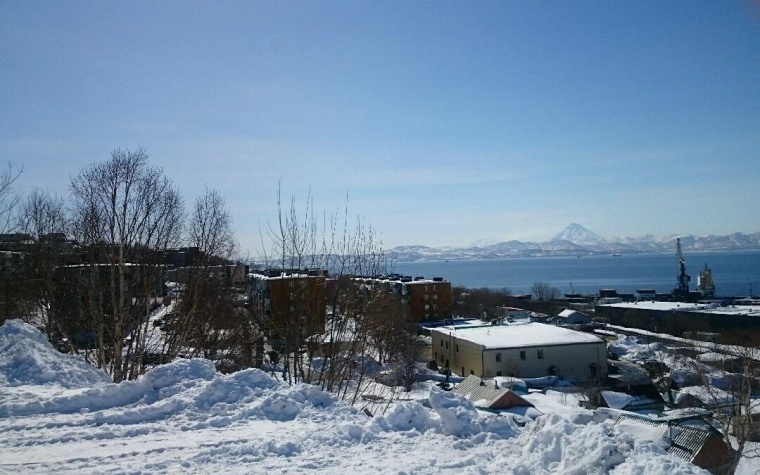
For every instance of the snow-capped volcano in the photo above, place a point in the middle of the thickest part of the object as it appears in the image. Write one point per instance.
(577, 234)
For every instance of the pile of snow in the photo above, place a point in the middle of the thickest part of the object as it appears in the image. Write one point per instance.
(630, 348)
(26, 357)
(184, 416)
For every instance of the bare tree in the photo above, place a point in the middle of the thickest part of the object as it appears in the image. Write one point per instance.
(346, 250)
(730, 386)
(210, 228)
(43, 216)
(126, 212)
(543, 292)
(211, 320)
(479, 303)
(8, 198)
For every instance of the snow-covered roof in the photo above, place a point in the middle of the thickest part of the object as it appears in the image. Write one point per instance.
(713, 308)
(709, 396)
(283, 275)
(713, 357)
(457, 323)
(684, 442)
(520, 335)
(567, 312)
(617, 400)
(488, 394)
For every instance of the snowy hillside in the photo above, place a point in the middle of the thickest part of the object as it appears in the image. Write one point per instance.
(185, 417)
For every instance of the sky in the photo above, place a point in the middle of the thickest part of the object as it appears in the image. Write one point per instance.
(439, 123)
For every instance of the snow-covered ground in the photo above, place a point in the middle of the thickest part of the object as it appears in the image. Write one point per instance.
(58, 414)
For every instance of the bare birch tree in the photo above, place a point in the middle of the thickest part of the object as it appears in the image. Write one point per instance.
(43, 216)
(9, 199)
(126, 212)
(210, 320)
(347, 249)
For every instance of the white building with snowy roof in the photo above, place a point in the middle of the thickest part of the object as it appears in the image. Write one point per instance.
(525, 350)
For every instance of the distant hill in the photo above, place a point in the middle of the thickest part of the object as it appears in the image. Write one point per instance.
(577, 240)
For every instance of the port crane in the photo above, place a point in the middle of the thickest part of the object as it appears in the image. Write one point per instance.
(682, 291)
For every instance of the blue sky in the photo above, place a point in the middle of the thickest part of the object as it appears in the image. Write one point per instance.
(445, 123)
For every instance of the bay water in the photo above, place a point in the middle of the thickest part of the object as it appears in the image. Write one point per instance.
(735, 273)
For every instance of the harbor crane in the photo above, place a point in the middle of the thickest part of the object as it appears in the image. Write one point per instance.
(682, 291)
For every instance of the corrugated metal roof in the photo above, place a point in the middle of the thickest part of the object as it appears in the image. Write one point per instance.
(488, 395)
(686, 442)
(472, 389)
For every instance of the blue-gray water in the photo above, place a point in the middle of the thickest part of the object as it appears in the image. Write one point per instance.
(735, 273)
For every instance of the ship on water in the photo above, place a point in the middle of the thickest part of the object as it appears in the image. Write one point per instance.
(705, 285)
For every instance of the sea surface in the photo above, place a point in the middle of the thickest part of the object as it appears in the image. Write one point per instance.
(735, 273)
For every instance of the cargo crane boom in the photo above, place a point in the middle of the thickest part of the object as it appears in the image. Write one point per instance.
(682, 291)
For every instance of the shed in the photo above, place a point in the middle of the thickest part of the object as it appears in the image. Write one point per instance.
(701, 446)
(573, 317)
(488, 394)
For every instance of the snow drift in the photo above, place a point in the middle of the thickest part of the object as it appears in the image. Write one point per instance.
(26, 357)
(58, 415)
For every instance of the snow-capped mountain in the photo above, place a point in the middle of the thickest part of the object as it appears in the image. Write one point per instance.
(578, 240)
(577, 234)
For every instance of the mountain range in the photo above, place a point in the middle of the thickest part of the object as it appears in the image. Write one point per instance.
(577, 240)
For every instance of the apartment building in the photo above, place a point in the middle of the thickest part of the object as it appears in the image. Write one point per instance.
(292, 302)
(423, 299)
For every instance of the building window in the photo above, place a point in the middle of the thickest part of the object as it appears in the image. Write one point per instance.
(472, 371)
(540, 354)
(457, 348)
(522, 354)
(498, 357)
(441, 342)
(447, 345)
(498, 373)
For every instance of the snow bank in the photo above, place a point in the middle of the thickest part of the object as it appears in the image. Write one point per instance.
(449, 414)
(26, 357)
(554, 444)
(186, 417)
(629, 347)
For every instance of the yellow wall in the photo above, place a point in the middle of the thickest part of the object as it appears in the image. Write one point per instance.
(465, 357)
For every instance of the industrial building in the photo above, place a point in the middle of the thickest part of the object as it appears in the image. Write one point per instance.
(523, 350)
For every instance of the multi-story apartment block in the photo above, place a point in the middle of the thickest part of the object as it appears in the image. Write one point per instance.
(291, 302)
(423, 299)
